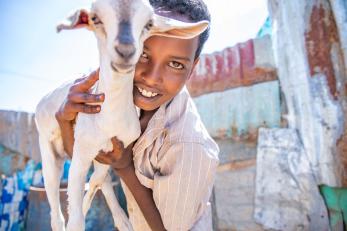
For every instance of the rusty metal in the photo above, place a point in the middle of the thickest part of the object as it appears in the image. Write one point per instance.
(323, 44)
(319, 41)
(230, 68)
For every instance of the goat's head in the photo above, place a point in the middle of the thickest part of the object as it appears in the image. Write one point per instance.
(121, 26)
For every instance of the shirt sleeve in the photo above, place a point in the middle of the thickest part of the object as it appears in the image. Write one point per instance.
(183, 184)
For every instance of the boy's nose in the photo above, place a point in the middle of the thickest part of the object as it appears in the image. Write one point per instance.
(152, 75)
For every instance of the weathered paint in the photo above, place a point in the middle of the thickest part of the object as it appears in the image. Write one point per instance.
(336, 201)
(339, 8)
(342, 149)
(233, 67)
(237, 113)
(10, 161)
(312, 109)
(287, 196)
(326, 55)
(18, 133)
(319, 39)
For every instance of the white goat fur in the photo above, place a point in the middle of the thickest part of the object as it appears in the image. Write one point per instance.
(118, 116)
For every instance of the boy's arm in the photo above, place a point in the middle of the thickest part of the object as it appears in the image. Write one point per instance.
(143, 197)
(66, 128)
(121, 160)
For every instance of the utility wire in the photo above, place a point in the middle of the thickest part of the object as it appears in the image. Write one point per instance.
(23, 75)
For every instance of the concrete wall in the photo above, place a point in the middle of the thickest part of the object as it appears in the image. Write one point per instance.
(18, 133)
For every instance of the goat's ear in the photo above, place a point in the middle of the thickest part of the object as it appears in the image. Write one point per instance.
(169, 27)
(79, 19)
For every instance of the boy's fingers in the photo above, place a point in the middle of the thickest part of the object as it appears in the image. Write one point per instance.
(103, 158)
(78, 107)
(86, 98)
(79, 79)
(117, 144)
(89, 81)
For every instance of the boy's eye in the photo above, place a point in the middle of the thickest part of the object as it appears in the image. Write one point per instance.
(176, 65)
(143, 57)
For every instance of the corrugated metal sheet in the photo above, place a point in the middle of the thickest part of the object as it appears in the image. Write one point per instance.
(244, 64)
(239, 112)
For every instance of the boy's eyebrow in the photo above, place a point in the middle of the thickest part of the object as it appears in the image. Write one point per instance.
(173, 56)
(180, 58)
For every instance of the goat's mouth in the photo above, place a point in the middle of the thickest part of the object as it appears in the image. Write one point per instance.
(122, 68)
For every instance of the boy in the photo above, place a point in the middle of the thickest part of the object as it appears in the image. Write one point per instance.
(167, 174)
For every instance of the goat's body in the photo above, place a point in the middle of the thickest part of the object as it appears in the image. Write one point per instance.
(93, 133)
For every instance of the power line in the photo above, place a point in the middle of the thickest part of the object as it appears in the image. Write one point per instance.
(23, 75)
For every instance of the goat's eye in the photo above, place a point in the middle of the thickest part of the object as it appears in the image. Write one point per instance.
(149, 24)
(96, 20)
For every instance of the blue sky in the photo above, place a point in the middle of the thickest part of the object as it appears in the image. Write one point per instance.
(34, 59)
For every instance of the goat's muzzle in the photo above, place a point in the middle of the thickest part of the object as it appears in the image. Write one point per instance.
(122, 68)
(125, 51)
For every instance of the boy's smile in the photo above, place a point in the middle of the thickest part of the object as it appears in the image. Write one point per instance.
(163, 69)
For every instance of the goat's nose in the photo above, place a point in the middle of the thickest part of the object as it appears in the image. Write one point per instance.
(125, 51)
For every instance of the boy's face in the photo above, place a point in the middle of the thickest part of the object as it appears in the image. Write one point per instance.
(163, 69)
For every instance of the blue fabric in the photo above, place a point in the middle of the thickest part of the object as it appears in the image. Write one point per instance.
(14, 195)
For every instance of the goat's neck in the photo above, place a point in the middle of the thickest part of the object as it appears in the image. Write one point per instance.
(118, 89)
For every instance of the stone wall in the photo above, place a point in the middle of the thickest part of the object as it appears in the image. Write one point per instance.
(18, 133)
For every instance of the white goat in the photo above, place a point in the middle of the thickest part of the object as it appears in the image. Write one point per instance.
(120, 26)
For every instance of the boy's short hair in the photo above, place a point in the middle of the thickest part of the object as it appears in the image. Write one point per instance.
(194, 10)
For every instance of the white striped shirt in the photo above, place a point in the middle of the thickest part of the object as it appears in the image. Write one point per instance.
(177, 159)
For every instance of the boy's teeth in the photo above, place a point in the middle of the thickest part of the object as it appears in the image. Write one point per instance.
(147, 93)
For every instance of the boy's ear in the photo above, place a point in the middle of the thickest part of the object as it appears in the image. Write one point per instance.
(79, 19)
(169, 27)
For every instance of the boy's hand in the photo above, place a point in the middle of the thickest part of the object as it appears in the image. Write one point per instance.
(78, 97)
(75, 102)
(119, 157)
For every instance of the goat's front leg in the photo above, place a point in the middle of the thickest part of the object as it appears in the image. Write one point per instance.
(80, 164)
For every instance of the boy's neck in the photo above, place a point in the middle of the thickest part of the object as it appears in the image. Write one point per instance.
(145, 117)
